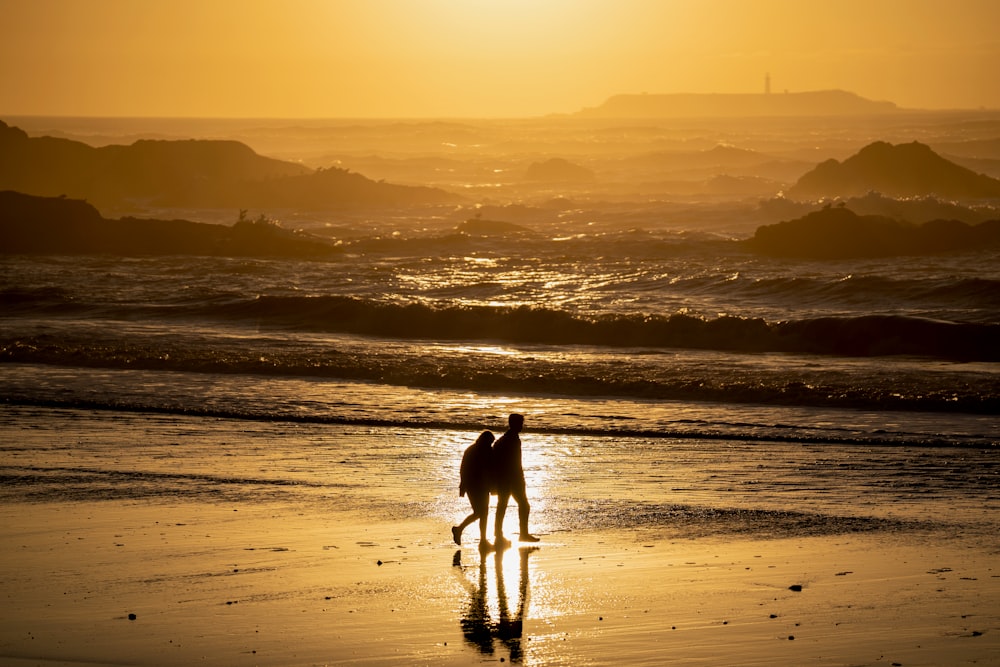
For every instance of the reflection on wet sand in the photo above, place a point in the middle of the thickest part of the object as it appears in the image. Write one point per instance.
(488, 618)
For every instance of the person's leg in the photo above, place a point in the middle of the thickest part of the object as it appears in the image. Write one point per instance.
(482, 510)
(503, 496)
(456, 531)
(467, 520)
(523, 511)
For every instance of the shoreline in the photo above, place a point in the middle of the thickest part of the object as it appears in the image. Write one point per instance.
(292, 400)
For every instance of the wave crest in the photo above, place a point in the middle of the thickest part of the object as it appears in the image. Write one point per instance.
(868, 335)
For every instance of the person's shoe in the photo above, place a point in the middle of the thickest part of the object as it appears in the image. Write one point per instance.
(456, 533)
(528, 537)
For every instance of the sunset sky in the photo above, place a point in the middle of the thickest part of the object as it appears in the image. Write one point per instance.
(480, 58)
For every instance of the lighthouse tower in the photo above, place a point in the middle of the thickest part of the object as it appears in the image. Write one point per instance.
(767, 83)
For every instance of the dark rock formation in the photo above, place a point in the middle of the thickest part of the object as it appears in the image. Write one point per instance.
(191, 173)
(44, 225)
(917, 210)
(838, 233)
(903, 170)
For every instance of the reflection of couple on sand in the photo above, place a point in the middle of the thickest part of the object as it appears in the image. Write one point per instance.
(478, 626)
(495, 467)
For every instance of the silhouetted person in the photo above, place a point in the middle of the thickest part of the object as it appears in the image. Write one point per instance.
(476, 481)
(509, 477)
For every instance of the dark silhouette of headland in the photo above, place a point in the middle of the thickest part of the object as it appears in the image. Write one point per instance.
(188, 173)
(684, 105)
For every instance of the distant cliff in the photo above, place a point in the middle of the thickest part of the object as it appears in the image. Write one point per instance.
(903, 170)
(819, 103)
(55, 225)
(192, 173)
(839, 233)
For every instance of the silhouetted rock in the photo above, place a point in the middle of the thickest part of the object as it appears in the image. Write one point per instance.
(558, 170)
(162, 172)
(920, 209)
(917, 210)
(190, 173)
(816, 103)
(335, 188)
(837, 232)
(45, 225)
(903, 170)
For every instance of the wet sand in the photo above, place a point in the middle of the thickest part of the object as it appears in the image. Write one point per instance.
(274, 584)
(256, 543)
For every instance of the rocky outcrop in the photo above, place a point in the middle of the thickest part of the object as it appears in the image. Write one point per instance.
(189, 173)
(839, 233)
(47, 225)
(902, 170)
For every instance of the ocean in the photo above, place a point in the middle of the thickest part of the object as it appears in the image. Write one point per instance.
(636, 333)
(647, 332)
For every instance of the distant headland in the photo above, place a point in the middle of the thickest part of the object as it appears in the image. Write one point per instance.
(734, 105)
(188, 173)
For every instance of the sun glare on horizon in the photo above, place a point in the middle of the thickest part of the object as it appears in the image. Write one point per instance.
(478, 58)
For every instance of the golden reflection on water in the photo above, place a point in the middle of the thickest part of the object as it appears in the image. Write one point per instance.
(499, 586)
(488, 349)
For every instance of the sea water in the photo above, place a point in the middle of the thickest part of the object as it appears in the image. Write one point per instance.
(646, 332)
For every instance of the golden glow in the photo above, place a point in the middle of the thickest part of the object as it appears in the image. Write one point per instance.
(487, 349)
(499, 606)
(479, 58)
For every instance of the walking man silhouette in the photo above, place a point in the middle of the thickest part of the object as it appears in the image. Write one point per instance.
(509, 478)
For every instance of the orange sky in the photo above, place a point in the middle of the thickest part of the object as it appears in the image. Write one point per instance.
(479, 58)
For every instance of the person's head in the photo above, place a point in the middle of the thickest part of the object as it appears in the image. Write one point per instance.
(516, 422)
(485, 438)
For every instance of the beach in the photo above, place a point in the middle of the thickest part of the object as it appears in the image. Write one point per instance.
(229, 549)
(259, 294)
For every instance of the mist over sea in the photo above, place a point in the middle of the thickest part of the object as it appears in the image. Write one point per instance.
(616, 306)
